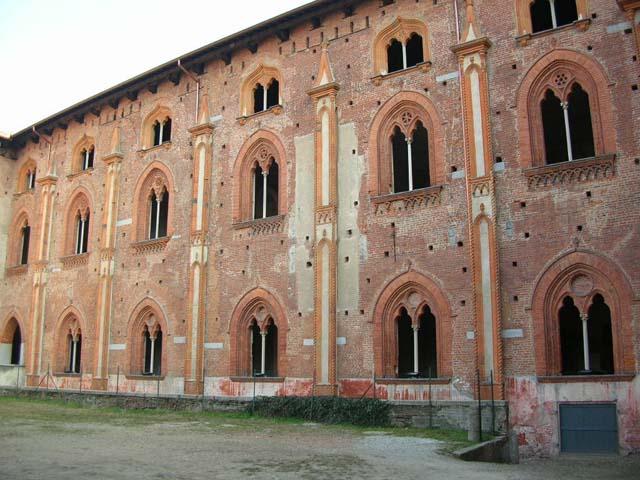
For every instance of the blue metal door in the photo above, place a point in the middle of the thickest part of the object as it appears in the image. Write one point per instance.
(588, 428)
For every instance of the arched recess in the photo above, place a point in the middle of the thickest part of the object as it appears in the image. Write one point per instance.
(404, 110)
(27, 176)
(401, 29)
(581, 275)
(155, 179)
(261, 149)
(159, 114)
(260, 306)
(263, 75)
(87, 144)
(13, 340)
(149, 317)
(79, 209)
(413, 292)
(558, 71)
(17, 251)
(70, 330)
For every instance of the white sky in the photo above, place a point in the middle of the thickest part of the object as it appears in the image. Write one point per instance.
(54, 53)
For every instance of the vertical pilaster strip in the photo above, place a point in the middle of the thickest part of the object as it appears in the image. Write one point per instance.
(38, 298)
(326, 231)
(202, 136)
(481, 204)
(632, 10)
(100, 380)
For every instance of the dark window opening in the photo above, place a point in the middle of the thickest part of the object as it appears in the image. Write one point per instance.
(153, 216)
(85, 234)
(420, 157)
(541, 18)
(272, 190)
(600, 337)
(82, 234)
(405, 345)
(74, 354)
(16, 346)
(400, 161)
(164, 215)
(415, 52)
(580, 123)
(31, 179)
(24, 253)
(273, 94)
(395, 60)
(270, 366)
(566, 12)
(555, 138)
(152, 353)
(166, 131)
(258, 98)
(571, 338)
(427, 348)
(258, 193)
(157, 138)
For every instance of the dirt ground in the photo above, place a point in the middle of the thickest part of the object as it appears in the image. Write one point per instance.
(50, 440)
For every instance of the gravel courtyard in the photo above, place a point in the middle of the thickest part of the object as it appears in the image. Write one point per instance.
(51, 440)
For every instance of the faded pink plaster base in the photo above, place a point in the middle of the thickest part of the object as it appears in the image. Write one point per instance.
(225, 387)
(534, 407)
(396, 391)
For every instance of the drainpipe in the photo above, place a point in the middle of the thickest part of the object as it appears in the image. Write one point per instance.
(195, 79)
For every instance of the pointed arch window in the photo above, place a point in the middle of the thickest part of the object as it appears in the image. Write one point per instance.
(402, 55)
(74, 352)
(410, 158)
(152, 339)
(161, 131)
(567, 126)
(264, 349)
(265, 190)
(82, 232)
(417, 345)
(266, 97)
(16, 347)
(27, 177)
(25, 238)
(86, 157)
(586, 340)
(158, 213)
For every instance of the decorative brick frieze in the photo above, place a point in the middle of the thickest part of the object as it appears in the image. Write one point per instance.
(407, 202)
(576, 171)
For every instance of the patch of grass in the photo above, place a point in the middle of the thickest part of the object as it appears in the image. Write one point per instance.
(62, 416)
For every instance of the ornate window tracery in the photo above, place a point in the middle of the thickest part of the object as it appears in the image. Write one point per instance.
(401, 45)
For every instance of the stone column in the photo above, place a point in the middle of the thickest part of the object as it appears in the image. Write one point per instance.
(113, 161)
(481, 204)
(202, 139)
(326, 234)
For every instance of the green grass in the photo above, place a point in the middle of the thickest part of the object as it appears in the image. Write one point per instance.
(54, 415)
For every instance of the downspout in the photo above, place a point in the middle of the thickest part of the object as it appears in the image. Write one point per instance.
(197, 80)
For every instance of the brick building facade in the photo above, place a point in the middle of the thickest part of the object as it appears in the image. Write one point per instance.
(352, 192)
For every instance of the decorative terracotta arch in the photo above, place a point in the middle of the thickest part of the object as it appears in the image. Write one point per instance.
(264, 75)
(412, 291)
(400, 29)
(70, 322)
(14, 252)
(264, 307)
(262, 148)
(403, 110)
(156, 177)
(81, 204)
(581, 275)
(159, 113)
(147, 315)
(559, 70)
(77, 159)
